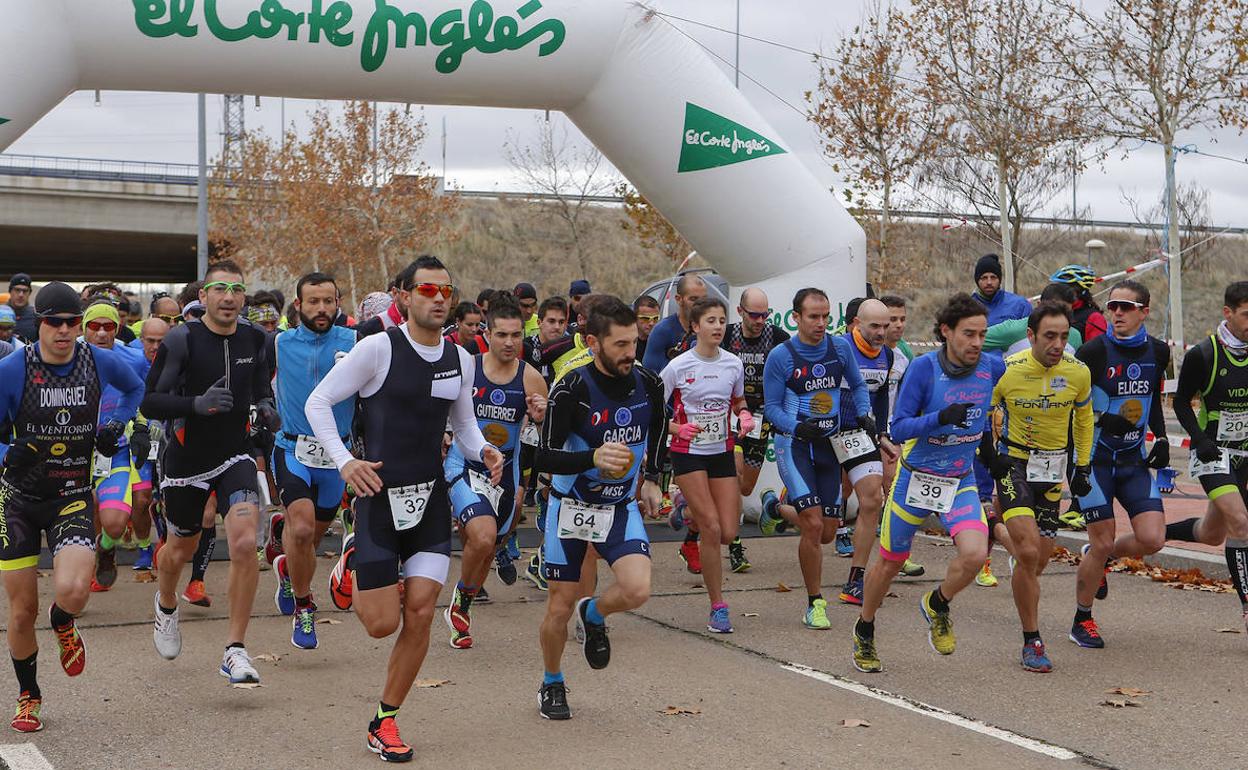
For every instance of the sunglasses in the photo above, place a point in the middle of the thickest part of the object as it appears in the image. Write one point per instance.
(755, 316)
(1123, 305)
(102, 326)
(431, 290)
(172, 320)
(224, 287)
(56, 321)
(648, 318)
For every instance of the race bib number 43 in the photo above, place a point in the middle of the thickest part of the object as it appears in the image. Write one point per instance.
(713, 427)
(931, 492)
(311, 453)
(408, 504)
(582, 521)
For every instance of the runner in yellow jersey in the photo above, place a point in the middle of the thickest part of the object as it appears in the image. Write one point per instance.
(1040, 391)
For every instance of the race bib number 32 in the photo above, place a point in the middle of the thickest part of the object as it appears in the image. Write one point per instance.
(582, 521)
(408, 504)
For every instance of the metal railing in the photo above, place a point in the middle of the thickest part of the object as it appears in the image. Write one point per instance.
(98, 169)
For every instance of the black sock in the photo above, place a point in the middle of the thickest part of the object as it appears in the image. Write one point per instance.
(1082, 613)
(1184, 531)
(303, 602)
(232, 645)
(857, 573)
(1031, 636)
(691, 536)
(938, 602)
(60, 618)
(26, 670)
(203, 552)
(383, 710)
(864, 629)
(1237, 565)
(810, 600)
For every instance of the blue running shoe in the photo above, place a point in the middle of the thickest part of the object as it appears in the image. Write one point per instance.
(1034, 658)
(769, 518)
(304, 624)
(534, 571)
(844, 542)
(284, 596)
(719, 622)
(513, 547)
(143, 559)
(505, 567)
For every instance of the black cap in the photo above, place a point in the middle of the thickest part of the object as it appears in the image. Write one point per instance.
(20, 279)
(57, 298)
(524, 291)
(989, 263)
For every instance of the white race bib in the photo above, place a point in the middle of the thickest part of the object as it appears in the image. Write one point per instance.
(408, 504)
(756, 432)
(481, 485)
(713, 427)
(1048, 466)
(154, 451)
(103, 467)
(582, 521)
(851, 444)
(529, 436)
(1222, 465)
(311, 453)
(1233, 426)
(931, 492)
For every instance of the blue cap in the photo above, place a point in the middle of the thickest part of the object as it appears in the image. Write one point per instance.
(7, 316)
(579, 288)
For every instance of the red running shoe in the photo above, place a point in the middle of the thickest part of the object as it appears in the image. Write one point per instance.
(195, 594)
(340, 581)
(73, 652)
(691, 555)
(385, 741)
(26, 720)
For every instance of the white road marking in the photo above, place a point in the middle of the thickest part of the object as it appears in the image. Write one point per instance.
(23, 756)
(974, 725)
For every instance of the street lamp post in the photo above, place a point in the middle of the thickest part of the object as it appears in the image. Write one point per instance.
(1094, 246)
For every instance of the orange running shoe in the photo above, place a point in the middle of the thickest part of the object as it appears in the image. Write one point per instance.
(96, 588)
(340, 578)
(195, 594)
(26, 720)
(385, 741)
(73, 652)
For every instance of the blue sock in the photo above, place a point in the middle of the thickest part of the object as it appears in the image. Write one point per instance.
(549, 678)
(592, 614)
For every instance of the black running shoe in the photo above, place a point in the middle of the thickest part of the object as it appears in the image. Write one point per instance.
(552, 701)
(597, 646)
(105, 565)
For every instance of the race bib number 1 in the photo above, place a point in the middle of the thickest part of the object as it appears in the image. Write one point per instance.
(1046, 466)
(311, 453)
(1233, 426)
(851, 444)
(482, 486)
(1222, 465)
(582, 521)
(713, 427)
(931, 492)
(408, 504)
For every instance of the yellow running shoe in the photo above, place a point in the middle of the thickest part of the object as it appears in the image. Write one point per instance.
(985, 577)
(866, 659)
(817, 616)
(912, 568)
(940, 626)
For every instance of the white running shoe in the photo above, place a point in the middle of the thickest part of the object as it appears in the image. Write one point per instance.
(236, 665)
(165, 632)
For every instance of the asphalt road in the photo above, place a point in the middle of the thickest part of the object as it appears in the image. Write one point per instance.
(771, 694)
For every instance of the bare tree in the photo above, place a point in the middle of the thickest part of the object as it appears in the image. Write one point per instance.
(570, 174)
(872, 114)
(1153, 68)
(1195, 221)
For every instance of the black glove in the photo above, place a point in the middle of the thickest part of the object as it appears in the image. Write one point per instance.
(217, 400)
(808, 432)
(1159, 457)
(954, 414)
(1207, 451)
(267, 417)
(867, 423)
(1115, 424)
(1081, 482)
(140, 445)
(1000, 466)
(108, 437)
(23, 454)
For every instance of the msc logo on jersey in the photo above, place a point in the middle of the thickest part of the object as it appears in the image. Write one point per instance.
(818, 370)
(623, 416)
(497, 397)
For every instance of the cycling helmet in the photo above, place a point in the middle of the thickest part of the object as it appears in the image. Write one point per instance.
(1077, 275)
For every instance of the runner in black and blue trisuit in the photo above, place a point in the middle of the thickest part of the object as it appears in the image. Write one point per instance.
(1128, 371)
(802, 401)
(49, 414)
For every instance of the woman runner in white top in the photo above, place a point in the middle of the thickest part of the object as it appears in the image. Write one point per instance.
(706, 385)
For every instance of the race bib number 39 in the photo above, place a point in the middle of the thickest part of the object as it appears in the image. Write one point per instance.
(713, 427)
(852, 444)
(1046, 466)
(582, 521)
(931, 492)
(482, 486)
(408, 504)
(1233, 426)
(311, 453)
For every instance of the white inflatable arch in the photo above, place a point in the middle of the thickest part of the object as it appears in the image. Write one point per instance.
(654, 103)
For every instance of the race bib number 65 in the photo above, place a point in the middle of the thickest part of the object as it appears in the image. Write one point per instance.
(851, 444)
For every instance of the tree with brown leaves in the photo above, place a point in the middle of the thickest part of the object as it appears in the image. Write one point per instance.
(648, 225)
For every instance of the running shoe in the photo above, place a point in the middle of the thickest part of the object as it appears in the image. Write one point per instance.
(284, 596)
(1073, 519)
(736, 557)
(852, 592)
(458, 614)
(530, 498)
(340, 577)
(817, 616)
(143, 559)
(665, 506)
(597, 647)
(386, 742)
(69, 644)
(985, 577)
(105, 565)
(534, 572)
(939, 626)
(461, 641)
(866, 659)
(303, 628)
(236, 666)
(844, 542)
(691, 555)
(195, 594)
(1034, 658)
(513, 546)
(165, 631)
(676, 517)
(96, 588)
(273, 544)
(552, 701)
(482, 597)
(912, 568)
(769, 517)
(720, 622)
(26, 719)
(1086, 634)
(1102, 590)
(505, 568)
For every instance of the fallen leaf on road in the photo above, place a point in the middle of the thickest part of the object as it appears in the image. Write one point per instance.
(143, 576)
(1179, 579)
(892, 595)
(267, 657)
(1229, 630)
(329, 622)
(1119, 703)
(1130, 692)
(675, 711)
(430, 683)
(246, 685)
(855, 723)
(781, 588)
(749, 614)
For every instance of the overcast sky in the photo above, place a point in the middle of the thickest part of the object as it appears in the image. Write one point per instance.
(161, 127)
